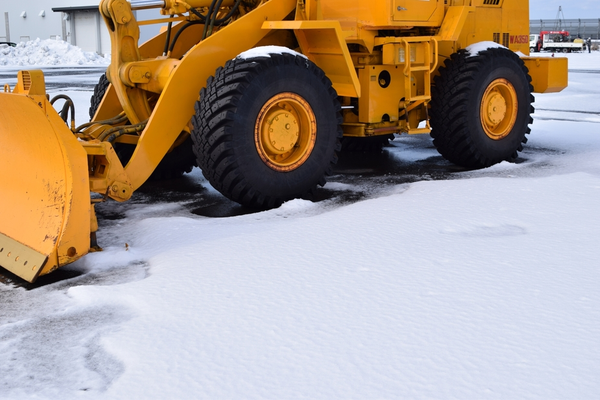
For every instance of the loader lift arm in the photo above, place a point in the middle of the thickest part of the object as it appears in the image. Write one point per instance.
(182, 79)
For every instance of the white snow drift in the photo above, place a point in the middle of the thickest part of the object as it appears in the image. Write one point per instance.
(47, 52)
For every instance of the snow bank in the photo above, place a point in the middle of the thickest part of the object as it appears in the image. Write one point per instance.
(48, 52)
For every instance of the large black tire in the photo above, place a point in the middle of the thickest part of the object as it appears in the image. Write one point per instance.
(99, 92)
(231, 129)
(468, 98)
(179, 161)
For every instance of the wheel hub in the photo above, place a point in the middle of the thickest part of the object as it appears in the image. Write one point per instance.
(499, 109)
(285, 132)
(496, 109)
(281, 132)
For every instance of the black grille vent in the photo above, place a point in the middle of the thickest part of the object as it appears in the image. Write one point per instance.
(26, 80)
(497, 38)
(505, 39)
(491, 2)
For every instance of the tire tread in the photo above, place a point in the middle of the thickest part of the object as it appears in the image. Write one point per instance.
(449, 106)
(213, 141)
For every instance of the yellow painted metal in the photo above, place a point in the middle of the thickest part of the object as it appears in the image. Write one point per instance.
(454, 22)
(149, 75)
(161, 21)
(418, 11)
(323, 30)
(109, 106)
(323, 42)
(151, 52)
(285, 132)
(380, 100)
(369, 15)
(505, 22)
(106, 173)
(45, 203)
(401, 84)
(499, 109)
(20, 259)
(30, 83)
(548, 75)
(179, 7)
(124, 32)
(363, 130)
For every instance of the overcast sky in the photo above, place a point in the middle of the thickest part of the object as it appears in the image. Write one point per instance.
(547, 9)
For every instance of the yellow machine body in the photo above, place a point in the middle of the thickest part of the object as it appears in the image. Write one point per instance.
(380, 55)
(45, 202)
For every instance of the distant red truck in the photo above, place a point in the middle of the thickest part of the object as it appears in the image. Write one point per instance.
(555, 41)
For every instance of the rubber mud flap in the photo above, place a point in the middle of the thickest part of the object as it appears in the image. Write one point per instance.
(44, 189)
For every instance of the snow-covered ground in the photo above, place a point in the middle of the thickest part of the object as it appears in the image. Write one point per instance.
(480, 286)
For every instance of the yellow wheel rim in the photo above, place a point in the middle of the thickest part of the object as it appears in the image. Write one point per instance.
(499, 109)
(285, 132)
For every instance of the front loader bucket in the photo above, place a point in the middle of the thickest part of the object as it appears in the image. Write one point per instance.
(44, 188)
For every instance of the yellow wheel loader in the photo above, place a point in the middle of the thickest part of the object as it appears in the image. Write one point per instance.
(260, 94)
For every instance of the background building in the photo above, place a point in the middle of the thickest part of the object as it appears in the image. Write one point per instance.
(583, 28)
(76, 21)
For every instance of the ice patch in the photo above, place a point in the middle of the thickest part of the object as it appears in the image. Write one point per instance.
(484, 231)
(338, 186)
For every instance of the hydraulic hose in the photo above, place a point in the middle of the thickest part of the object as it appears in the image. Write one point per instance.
(64, 112)
(179, 32)
(117, 131)
(213, 17)
(208, 17)
(168, 40)
(119, 119)
(229, 14)
(209, 20)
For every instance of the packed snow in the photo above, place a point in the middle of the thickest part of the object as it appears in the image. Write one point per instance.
(48, 52)
(483, 285)
(477, 48)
